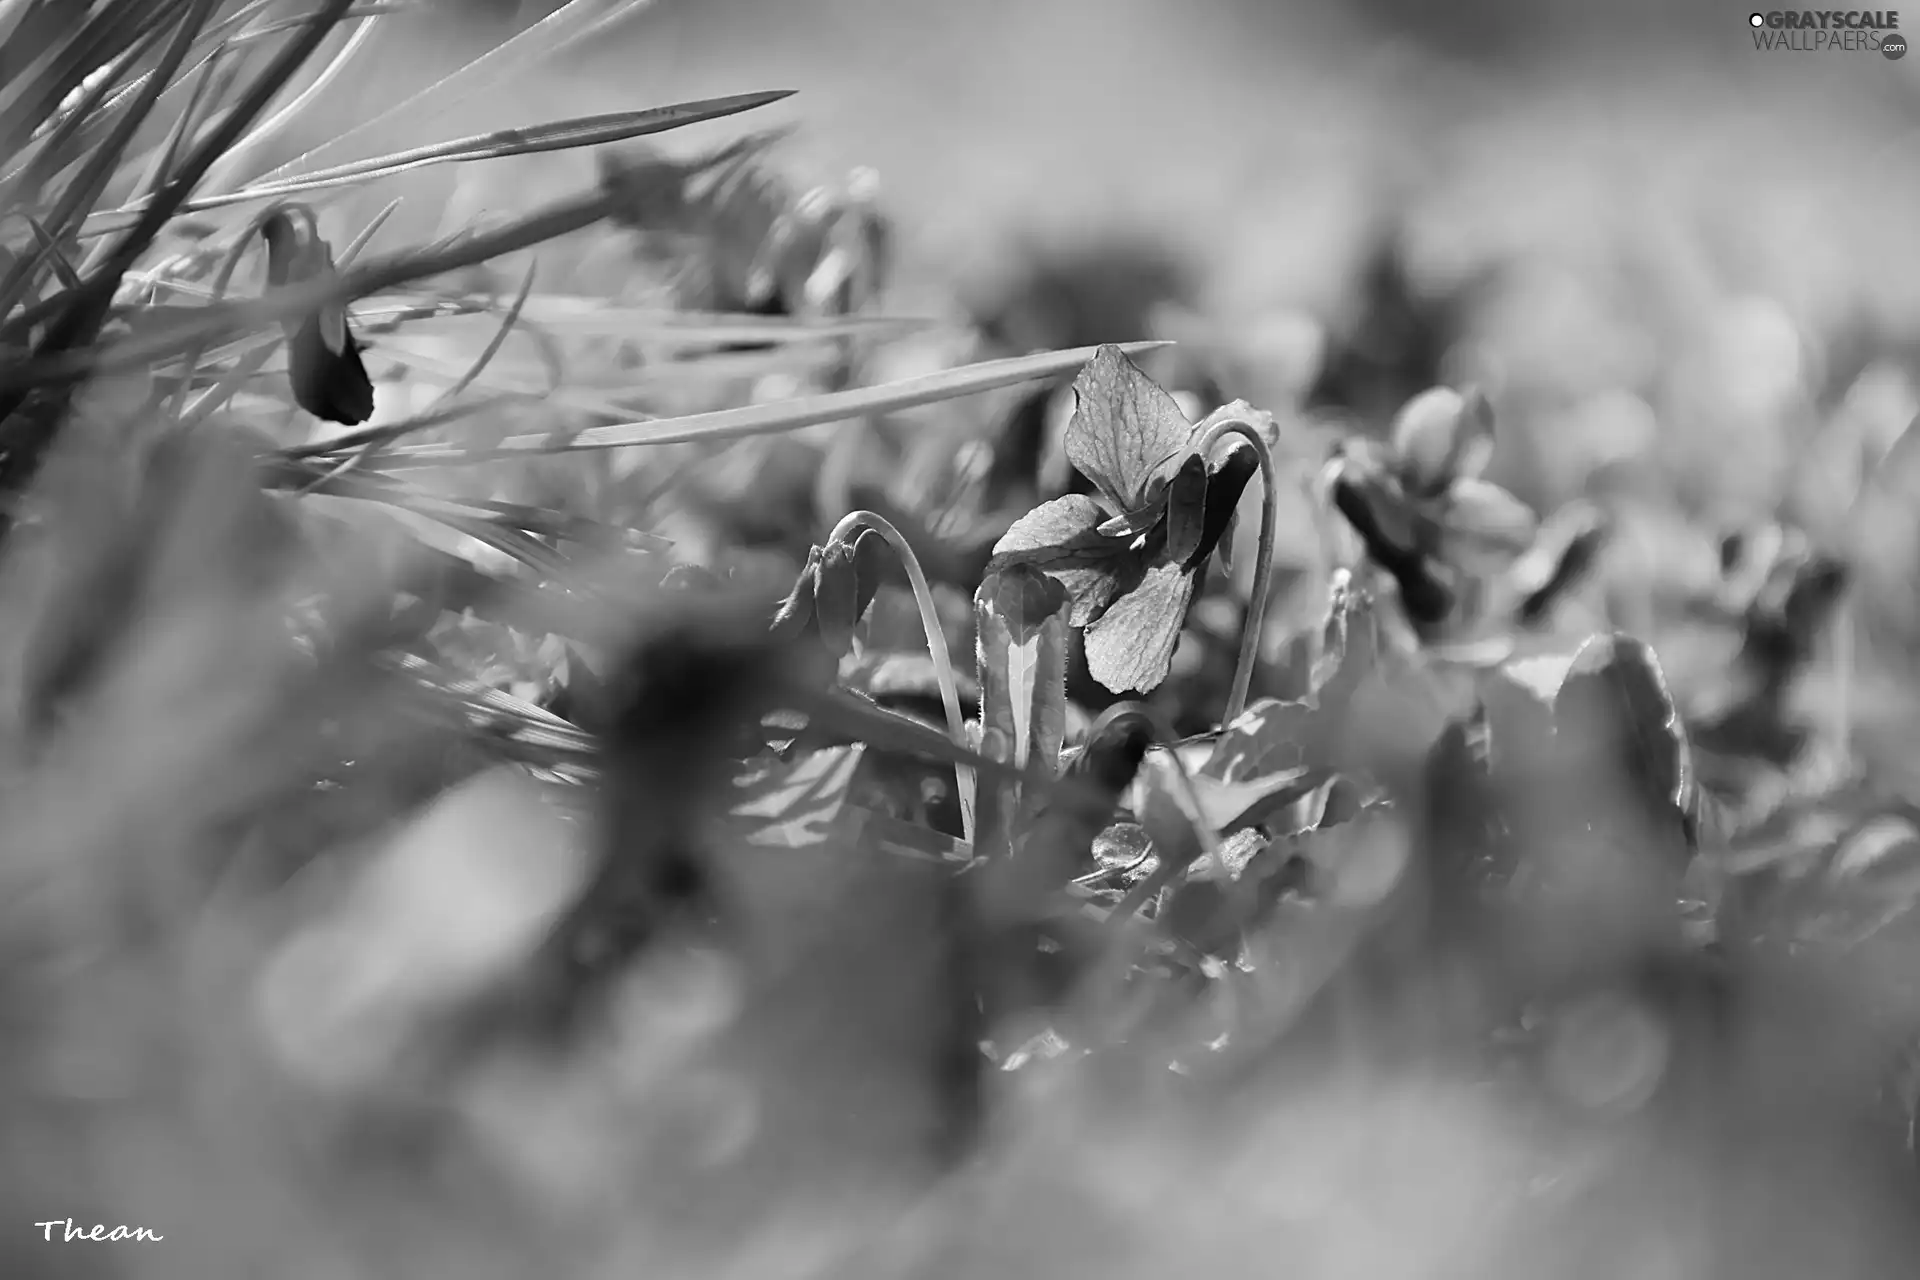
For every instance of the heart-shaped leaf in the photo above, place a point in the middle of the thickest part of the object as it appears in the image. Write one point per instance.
(1275, 738)
(1615, 688)
(794, 803)
(1020, 627)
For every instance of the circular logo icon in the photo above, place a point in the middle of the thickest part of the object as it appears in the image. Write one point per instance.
(1756, 19)
(1894, 46)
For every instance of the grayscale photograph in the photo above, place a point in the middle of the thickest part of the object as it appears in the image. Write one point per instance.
(959, 640)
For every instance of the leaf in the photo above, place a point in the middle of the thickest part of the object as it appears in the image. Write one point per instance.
(793, 804)
(1615, 688)
(1271, 736)
(1020, 625)
(1233, 806)
(1055, 845)
(1441, 436)
(905, 675)
(1059, 537)
(1276, 737)
(1187, 511)
(776, 416)
(1163, 812)
(559, 135)
(1130, 647)
(1125, 429)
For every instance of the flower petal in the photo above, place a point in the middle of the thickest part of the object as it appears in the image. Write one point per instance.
(1186, 509)
(1481, 527)
(1442, 435)
(1057, 525)
(1125, 429)
(1060, 538)
(1130, 648)
(1226, 484)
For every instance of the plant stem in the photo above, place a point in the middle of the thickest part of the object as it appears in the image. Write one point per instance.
(849, 526)
(1252, 629)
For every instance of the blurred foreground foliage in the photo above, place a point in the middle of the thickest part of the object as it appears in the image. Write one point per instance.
(550, 825)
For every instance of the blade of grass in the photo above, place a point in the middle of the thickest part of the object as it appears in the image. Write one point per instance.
(491, 69)
(24, 438)
(465, 380)
(11, 12)
(468, 514)
(494, 344)
(585, 131)
(154, 213)
(367, 233)
(169, 151)
(244, 370)
(788, 415)
(491, 711)
(83, 61)
(88, 107)
(583, 317)
(223, 321)
(50, 255)
(85, 189)
(363, 32)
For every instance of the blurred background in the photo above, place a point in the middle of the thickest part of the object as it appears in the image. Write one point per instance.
(1661, 249)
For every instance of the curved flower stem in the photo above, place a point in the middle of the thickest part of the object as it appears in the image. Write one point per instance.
(849, 526)
(1254, 626)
